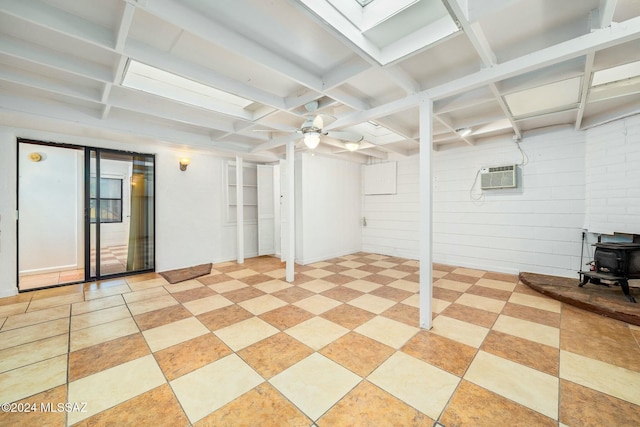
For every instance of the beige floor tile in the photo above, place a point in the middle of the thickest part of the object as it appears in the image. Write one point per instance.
(437, 305)
(262, 304)
(317, 285)
(524, 385)
(62, 300)
(316, 332)
(13, 309)
(26, 354)
(31, 379)
(457, 330)
(209, 388)
(355, 273)
(318, 273)
(174, 333)
(105, 292)
(413, 301)
(372, 303)
(411, 380)
(390, 332)
(27, 319)
(483, 303)
(541, 302)
(452, 285)
(384, 264)
(273, 286)
(362, 285)
(100, 333)
(351, 264)
(145, 294)
(497, 284)
(240, 274)
(148, 284)
(230, 285)
(32, 333)
(203, 305)
(280, 273)
(469, 272)
(604, 377)
(99, 317)
(244, 333)
(153, 304)
(183, 286)
(396, 274)
(96, 304)
(439, 274)
(405, 285)
(315, 384)
(532, 331)
(114, 385)
(319, 264)
(317, 304)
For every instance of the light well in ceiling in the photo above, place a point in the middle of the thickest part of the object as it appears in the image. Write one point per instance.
(168, 85)
(557, 96)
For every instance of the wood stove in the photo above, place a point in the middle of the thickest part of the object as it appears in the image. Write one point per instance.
(614, 262)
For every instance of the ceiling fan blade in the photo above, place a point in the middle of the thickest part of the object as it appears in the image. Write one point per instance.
(345, 136)
(275, 142)
(318, 122)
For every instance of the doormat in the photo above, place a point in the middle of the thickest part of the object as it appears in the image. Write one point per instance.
(182, 274)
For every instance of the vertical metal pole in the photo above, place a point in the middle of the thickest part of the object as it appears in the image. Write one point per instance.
(239, 210)
(291, 246)
(426, 204)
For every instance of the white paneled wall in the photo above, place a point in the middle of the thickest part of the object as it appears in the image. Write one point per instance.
(536, 227)
(327, 208)
(613, 177)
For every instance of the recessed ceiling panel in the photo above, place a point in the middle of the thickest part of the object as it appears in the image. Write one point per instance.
(552, 97)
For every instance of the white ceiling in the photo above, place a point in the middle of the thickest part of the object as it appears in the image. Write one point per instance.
(496, 67)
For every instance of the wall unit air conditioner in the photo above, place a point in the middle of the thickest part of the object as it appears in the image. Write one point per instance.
(498, 177)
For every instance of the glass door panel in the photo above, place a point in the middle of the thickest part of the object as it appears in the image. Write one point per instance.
(120, 204)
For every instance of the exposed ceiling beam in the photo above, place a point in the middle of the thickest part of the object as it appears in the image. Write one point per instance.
(605, 12)
(584, 90)
(600, 39)
(204, 27)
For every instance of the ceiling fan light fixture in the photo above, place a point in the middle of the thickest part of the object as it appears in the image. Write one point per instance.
(352, 146)
(312, 139)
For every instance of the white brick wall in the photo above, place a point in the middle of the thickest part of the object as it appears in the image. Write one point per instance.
(613, 177)
(536, 227)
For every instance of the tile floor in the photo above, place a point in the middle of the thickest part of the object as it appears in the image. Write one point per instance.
(339, 347)
(113, 260)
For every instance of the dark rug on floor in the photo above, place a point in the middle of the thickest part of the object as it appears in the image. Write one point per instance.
(182, 274)
(603, 300)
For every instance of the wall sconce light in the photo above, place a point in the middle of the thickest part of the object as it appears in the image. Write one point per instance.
(35, 157)
(184, 162)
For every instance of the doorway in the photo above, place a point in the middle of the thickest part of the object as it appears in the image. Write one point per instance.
(83, 214)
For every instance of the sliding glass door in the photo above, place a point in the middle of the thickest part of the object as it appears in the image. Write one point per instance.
(119, 215)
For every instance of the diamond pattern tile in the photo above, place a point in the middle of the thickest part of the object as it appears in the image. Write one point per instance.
(340, 345)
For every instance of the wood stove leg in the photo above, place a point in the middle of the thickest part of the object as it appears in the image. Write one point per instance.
(625, 289)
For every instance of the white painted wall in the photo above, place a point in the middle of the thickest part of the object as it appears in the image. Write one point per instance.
(613, 177)
(328, 208)
(536, 227)
(50, 209)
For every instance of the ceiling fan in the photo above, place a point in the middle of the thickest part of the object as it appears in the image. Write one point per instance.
(312, 130)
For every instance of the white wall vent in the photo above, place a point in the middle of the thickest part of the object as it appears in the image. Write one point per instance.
(498, 177)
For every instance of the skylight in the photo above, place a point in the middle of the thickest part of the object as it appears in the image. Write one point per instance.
(615, 74)
(162, 83)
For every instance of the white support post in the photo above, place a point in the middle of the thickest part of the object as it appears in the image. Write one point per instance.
(426, 204)
(291, 234)
(239, 210)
